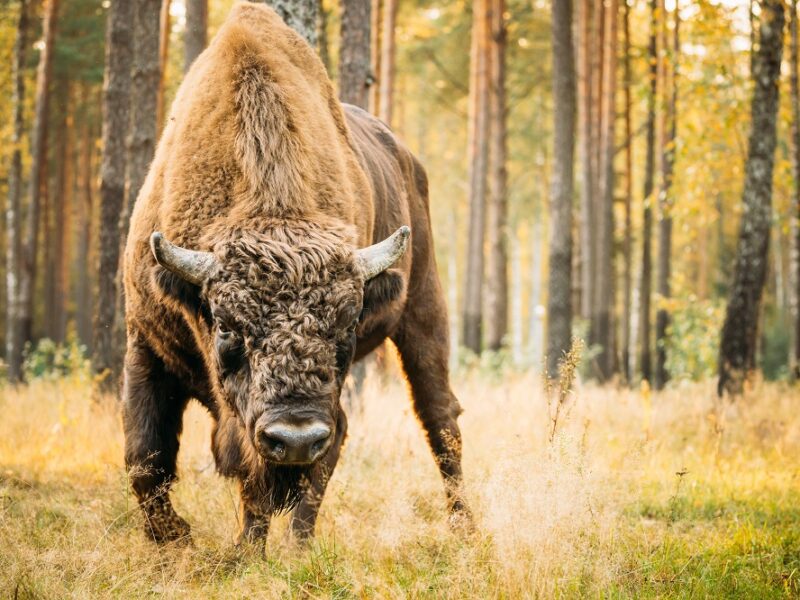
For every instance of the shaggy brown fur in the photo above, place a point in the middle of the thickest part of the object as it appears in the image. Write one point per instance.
(260, 164)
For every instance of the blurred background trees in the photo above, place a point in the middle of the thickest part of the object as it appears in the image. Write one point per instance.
(616, 221)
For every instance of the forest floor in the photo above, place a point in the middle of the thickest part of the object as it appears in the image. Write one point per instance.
(638, 495)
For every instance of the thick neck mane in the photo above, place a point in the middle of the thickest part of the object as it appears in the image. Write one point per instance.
(255, 133)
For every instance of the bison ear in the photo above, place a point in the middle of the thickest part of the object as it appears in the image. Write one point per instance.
(382, 290)
(180, 291)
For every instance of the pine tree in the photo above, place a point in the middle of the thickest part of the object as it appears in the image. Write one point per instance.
(116, 112)
(559, 325)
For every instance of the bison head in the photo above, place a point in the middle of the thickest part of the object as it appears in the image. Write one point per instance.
(277, 316)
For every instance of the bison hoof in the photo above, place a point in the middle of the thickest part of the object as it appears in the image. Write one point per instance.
(460, 520)
(168, 529)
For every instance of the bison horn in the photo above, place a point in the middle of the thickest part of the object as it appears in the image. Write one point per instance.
(375, 259)
(192, 265)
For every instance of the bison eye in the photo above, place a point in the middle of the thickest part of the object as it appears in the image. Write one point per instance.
(230, 350)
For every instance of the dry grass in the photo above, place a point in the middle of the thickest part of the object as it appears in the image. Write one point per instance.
(637, 496)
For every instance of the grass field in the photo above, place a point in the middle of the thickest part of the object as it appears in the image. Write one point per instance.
(638, 496)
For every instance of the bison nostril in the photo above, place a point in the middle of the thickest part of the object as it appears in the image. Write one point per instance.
(294, 444)
(273, 445)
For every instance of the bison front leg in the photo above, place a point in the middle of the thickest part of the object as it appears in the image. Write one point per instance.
(255, 523)
(422, 339)
(153, 404)
(304, 517)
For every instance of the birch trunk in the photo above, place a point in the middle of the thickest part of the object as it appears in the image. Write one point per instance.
(14, 309)
(737, 357)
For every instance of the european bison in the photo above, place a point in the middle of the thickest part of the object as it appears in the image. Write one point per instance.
(265, 255)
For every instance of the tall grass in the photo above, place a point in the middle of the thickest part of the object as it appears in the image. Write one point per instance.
(631, 495)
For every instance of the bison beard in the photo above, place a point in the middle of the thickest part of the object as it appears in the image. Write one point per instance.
(277, 267)
(279, 488)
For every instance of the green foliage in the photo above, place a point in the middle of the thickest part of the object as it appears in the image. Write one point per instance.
(48, 360)
(693, 338)
(775, 346)
(79, 52)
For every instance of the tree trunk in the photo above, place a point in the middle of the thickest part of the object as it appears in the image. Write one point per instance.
(477, 149)
(628, 241)
(666, 202)
(116, 111)
(386, 78)
(83, 290)
(163, 58)
(142, 138)
(452, 288)
(794, 293)
(300, 15)
(645, 360)
(497, 284)
(14, 341)
(597, 53)
(535, 313)
(38, 170)
(586, 116)
(737, 355)
(375, 56)
(604, 283)
(59, 223)
(322, 35)
(355, 76)
(516, 299)
(194, 37)
(559, 310)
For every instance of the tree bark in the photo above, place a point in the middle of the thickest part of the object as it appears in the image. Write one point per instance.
(145, 74)
(497, 284)
(516, 299)
(83, 289)
(586, 116)
(737, 357)
(116, 111)
(14, 341)
(665, 204)
(375, 56)
(645, 289)
(604, 283)
(386, 79)
(628, 240)
(477, 149)
(536, 341)
(559, 310)
(300, 15)
(163, 57)
(38, 170)
(58, 268)
(194, 37)
(794, 350)
(322, 35)
(355, 73)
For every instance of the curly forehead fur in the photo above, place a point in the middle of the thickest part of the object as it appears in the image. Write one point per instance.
(288, 291)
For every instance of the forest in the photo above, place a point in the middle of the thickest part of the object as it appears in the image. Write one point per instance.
(615, 204)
